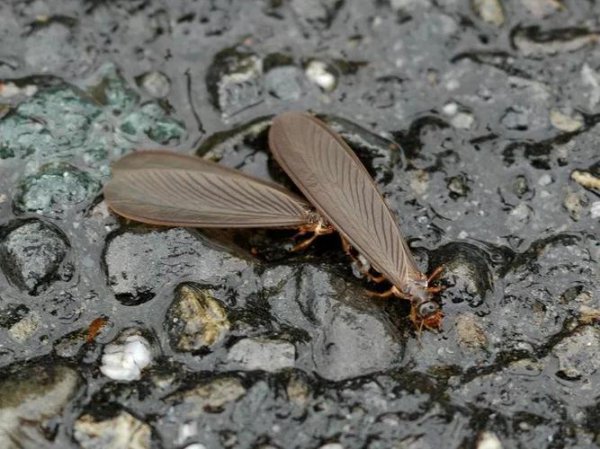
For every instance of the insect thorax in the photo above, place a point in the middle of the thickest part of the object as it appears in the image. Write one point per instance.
(313, 217)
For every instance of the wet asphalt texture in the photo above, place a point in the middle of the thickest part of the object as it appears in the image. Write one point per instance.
(479, 122)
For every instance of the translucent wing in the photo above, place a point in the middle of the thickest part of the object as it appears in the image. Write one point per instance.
(165, 188)
(334, 180)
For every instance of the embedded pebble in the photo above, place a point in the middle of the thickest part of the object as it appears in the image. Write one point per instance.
(51, 125)
(196, 319)
(55, 188)
(520, 186)
(586, 179)
(488, 440)
(545, 180)
(125, 359)
(151, 120)
(489, 10)
(591, 78)
(284, 82)
(459, 117)
(235, 80)
(297, 390)
(31, 396)
(419, 181)
(574, 202)
(124, 431)
(8, 90)
(140, 263)
(516, 118)
(155, 83)
(32, 254)
(22, 330)
(466, 266)
(463, 120)
(532, 41)
(341, 315)
(260, 354)
(322, 75)
(450, 109)
(589, 315)
(458, 186)
(316, 14)
(565, 122)
(519, 217)
(471, 335)
(212, 395)
(542, 8)
(579, 354)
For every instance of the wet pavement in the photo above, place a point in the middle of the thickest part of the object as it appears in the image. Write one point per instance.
(478, 120)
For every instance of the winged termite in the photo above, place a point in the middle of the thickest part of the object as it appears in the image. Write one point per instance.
(334, 180)
(169, 189)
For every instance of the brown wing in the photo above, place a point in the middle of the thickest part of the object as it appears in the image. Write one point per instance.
(334, 180)
(164, 188)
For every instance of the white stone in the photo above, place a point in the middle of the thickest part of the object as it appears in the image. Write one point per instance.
(125, 361)
(187, 431)
(489, 440)
(545, 180)
(317, 72)
(450, 108)
(463, 120)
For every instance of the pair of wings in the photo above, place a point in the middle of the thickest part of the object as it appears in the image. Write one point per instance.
(169, 189)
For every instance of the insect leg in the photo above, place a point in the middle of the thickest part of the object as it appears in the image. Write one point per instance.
(358, 264)
(305, 243)
(317, 229)
(436, 273)
(346, 246)
(305, 229)
(393, 291)
(383, 295)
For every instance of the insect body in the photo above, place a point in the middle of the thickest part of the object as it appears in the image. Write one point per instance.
(165, 188)
(334, 180)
